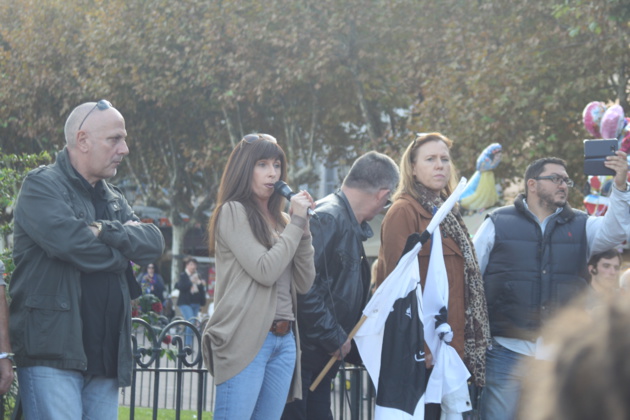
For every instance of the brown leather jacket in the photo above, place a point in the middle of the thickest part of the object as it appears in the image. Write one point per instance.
(407, 216)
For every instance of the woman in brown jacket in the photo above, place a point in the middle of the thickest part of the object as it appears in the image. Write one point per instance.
(427, 179)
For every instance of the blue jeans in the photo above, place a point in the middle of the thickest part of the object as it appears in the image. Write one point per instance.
(500, 397)
(60, 394)
(189, 312)
(261, 389)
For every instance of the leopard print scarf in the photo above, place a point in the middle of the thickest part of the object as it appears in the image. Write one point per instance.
(477, 328)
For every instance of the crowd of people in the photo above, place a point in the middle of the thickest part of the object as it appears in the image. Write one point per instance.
(291, 283)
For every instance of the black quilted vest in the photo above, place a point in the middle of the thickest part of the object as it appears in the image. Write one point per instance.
(529, 275)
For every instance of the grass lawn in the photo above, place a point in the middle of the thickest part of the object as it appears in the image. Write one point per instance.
(142, 413)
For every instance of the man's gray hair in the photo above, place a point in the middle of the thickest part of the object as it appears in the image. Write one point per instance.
(372, 172)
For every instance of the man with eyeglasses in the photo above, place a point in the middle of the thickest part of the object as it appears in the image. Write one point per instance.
(75, 235)
(533, 256)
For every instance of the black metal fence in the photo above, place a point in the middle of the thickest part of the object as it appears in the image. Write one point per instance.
(170, 375)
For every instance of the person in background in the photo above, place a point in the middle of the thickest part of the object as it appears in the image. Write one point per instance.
(603, 269)
(152, 282)
(6, 366)
(75, 236)
(586, 375)
(264, 258)
(329, 311)
(533, 256)
(428, 178)
(191, 294)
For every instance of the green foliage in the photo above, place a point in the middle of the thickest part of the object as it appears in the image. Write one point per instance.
(149, 308)
(13, 169)
(8, 399)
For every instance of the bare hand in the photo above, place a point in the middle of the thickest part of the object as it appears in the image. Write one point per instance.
(6, 375)
(619, 164)
(428, 360)
(132, 223)
(345, 349)
(300, 203)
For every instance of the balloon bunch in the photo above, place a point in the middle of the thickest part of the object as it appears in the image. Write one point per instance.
(607, 123)
(604, 123)
(596, 202)
(480, 191)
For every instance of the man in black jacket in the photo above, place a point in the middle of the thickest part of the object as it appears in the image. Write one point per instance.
(329, 311)
(192, 295)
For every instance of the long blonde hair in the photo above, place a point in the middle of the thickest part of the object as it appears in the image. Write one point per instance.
(407, 181)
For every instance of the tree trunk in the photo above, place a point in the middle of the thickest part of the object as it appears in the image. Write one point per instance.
(179, 231)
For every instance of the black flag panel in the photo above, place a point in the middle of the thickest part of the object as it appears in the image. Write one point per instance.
(401, 381)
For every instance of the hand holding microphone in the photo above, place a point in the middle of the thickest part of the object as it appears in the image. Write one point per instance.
(284, 190)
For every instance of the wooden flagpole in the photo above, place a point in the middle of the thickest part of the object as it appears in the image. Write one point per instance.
(412, 240)
(334, 358)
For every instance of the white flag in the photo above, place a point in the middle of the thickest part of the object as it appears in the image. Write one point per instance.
(391, 340)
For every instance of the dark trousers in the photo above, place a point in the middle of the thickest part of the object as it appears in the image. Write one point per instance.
(314, 405)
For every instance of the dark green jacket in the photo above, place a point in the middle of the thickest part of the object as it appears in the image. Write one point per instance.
(53, 245)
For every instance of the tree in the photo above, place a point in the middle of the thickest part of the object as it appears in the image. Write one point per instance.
(13, 168)
(329, 79)
(516, 74)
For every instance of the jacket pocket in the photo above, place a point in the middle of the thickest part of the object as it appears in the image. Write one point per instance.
(47, 319)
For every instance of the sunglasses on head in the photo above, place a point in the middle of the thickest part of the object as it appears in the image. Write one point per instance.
(102, 105)
(250, 138)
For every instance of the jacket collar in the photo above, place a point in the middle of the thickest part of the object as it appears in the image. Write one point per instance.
(446, 242)
(63, 162)
(363, 230)
(564, 216)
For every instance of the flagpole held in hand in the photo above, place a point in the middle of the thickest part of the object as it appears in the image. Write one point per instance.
(334, 358)
(412, 241)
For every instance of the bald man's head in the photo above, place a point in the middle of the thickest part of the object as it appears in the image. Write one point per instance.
(74, 120)
(96, 140)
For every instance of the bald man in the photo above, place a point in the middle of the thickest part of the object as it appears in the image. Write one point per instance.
(75, 234)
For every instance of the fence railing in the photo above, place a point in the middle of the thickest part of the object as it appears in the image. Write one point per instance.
(169, 374)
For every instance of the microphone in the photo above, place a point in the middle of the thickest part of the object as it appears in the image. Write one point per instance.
(284, 190)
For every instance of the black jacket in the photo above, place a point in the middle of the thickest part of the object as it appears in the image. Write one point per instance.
(186, 297)
(332, 307)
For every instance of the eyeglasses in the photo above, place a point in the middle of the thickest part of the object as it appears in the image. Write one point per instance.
(556, 179)
(250, 138)
(102, 105)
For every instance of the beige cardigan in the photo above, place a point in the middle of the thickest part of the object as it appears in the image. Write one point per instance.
(245, 291)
